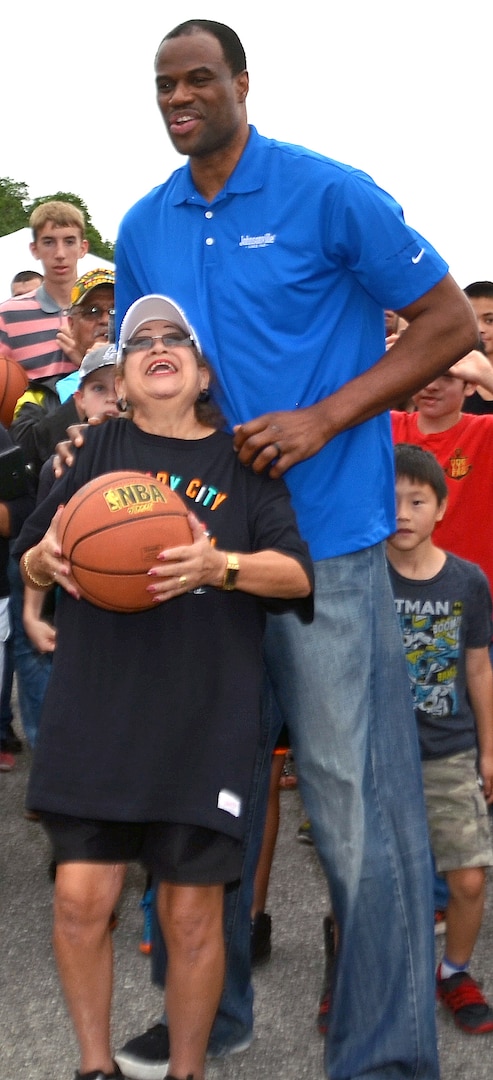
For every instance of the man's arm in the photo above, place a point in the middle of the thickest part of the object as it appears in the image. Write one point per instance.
(479, 677)
(442, 328)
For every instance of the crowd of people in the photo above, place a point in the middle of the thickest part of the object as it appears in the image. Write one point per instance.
(331, 482)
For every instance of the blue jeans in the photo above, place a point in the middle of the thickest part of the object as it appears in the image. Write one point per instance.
(32, 668)
(234, 1018)
(342, 687)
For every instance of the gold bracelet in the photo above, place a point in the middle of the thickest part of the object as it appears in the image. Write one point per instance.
(36, 581)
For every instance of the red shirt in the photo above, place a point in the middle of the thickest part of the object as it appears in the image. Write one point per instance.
(465, 452)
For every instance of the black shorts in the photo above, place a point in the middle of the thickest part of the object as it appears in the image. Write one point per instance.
(180, 854)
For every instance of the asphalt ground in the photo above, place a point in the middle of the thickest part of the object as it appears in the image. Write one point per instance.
(36, 1041)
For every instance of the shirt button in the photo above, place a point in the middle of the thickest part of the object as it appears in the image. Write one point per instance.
(210, 241)
(209, 214)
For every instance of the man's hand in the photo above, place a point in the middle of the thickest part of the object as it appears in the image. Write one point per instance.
(279, 440)
(64, 451)
(68, 344)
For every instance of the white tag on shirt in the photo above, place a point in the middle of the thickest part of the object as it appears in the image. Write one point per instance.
(229, 802)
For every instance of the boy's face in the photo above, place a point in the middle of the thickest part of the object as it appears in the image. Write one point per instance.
(483, 310)
(417, 512)
(59, 249)
(442, 400)
(97, 394)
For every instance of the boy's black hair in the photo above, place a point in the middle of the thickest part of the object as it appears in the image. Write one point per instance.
(479, 288)
(25, 275)
(233, 51)
(420, 465)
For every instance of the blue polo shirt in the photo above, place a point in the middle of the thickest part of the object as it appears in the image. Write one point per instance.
(285, 276)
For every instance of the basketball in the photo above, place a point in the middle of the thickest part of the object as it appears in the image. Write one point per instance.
(13, 383)
(112, 529)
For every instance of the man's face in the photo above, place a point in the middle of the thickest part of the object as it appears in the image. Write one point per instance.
(201, 102)
(20, 288)
(483, 309)
(89, 320)
(59, 248)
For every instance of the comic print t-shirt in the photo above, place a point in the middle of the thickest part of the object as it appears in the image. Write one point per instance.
(440, 618)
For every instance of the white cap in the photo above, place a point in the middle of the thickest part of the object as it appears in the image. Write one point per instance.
(146, 310)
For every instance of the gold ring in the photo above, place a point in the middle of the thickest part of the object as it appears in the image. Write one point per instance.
(183, 579)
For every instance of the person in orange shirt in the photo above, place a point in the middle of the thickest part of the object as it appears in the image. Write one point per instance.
(463, 444)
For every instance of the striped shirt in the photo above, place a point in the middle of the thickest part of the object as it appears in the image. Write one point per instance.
(28, 328)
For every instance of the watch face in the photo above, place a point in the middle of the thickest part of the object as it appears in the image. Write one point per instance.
(232, 567)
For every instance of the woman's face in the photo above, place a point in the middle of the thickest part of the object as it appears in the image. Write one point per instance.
(161, 369)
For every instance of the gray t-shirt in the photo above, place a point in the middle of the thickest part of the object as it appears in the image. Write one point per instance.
(440, 618)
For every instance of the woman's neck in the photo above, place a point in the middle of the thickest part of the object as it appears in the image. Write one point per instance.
(157, 422)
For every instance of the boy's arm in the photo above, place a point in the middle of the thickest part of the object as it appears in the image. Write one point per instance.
(40, 632)
(479, 678)
(474, 368)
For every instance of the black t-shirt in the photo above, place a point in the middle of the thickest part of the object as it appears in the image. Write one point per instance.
(477, 405)
(440, 619)
(154, 715)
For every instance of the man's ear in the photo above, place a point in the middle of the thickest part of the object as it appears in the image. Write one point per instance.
(470, 389)
(242, 85)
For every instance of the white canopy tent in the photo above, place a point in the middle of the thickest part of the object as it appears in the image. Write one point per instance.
(15, 256)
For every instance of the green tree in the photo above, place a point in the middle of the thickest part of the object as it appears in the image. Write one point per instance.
(14, 198)
(97, 246)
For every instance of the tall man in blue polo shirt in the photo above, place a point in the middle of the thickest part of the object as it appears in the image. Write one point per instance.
(285, 261)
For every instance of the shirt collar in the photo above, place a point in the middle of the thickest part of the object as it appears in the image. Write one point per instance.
(248, 175)
(46, 302)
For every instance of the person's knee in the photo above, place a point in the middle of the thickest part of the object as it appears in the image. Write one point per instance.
(468, 885)
(85, 898)
(191, 918)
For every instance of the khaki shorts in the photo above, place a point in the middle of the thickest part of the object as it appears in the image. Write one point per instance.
(457, 812)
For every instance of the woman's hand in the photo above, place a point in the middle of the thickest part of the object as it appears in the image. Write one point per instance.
(45, 561)
(183, 569)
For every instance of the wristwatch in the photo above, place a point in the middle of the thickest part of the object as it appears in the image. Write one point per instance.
(232, 567)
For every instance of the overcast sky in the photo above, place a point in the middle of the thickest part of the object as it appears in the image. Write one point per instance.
(400, 89)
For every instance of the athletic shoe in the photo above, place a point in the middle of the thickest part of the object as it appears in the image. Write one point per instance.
(7, 762)
(440, 922)
(461, 995)
(10, 742)
(260, 931)
(326, 994)
(96, 1074)
(146, 1056)
(304, 834)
